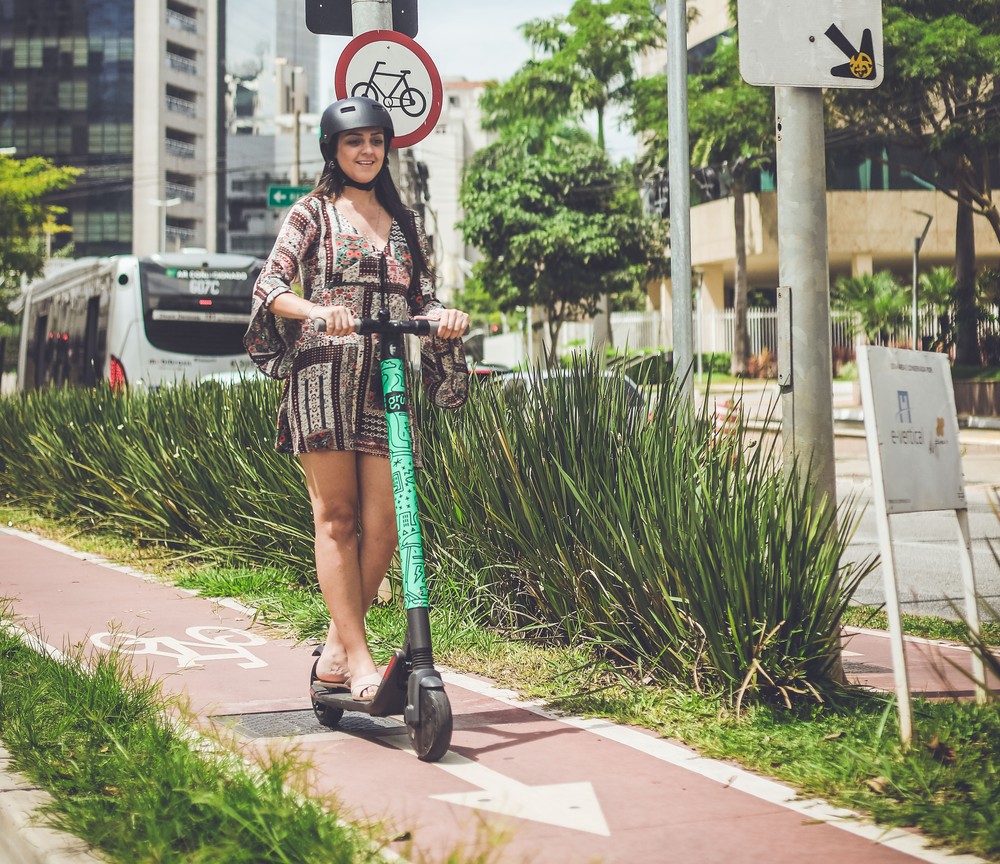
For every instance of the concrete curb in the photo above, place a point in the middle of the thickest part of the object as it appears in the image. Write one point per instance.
(23, 839)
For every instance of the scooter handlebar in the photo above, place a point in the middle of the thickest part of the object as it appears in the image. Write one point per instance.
(366, 326)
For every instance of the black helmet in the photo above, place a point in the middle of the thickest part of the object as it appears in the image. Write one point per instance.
(357, 112)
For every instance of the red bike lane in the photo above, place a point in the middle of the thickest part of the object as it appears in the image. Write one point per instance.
(533, 786)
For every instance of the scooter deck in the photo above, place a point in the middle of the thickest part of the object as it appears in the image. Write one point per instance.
(389, 699)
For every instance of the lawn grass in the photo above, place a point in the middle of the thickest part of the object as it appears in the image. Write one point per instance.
(846, 751)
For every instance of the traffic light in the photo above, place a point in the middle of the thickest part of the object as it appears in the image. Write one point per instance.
(333, 17)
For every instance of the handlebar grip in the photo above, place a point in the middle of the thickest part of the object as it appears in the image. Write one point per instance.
(319, 324)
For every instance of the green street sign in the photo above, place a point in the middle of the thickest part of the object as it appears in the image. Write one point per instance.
(285, 196)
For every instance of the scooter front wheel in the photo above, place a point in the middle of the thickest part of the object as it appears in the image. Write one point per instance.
(432, 735)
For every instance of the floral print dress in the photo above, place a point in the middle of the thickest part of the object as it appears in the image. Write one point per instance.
(331, 398)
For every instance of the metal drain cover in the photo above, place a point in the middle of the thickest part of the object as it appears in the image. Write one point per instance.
(288, 724)
(864, 669)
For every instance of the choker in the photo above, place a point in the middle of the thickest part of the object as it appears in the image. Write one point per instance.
(367, 187)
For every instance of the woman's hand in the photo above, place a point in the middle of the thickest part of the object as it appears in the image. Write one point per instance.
(452, 323)
(339, 320)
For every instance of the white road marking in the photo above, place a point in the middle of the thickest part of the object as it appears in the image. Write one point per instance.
(564, 805)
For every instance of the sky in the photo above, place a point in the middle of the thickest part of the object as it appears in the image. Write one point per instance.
(479, 40)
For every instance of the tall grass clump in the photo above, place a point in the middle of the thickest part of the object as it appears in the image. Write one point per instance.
(191, 466)
(691, 554)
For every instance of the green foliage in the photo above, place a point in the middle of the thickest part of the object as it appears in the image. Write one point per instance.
(878, 301)
(663, 543)
(557, 225)
(123, 779)
(24, 219)
(183, 465)
(564, 509)
(938, 100)
(588, 63)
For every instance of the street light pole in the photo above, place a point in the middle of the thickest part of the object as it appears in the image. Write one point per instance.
(164, 203)
(918, 242)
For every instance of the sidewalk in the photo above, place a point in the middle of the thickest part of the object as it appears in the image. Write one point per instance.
(563, 789)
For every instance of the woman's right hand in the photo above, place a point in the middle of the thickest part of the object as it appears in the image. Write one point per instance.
(339, 320)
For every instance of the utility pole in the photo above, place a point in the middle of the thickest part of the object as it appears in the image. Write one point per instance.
(680, 190)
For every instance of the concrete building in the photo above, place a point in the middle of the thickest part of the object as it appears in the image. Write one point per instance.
(874, 207)
(148, 97)
(445, 153)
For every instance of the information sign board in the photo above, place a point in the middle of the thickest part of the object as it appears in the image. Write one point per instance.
(909, 406)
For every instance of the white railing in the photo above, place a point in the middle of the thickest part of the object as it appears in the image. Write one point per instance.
(179, 148)
(182, 64)
(182, 22)
(715, 331)
(178, 190)
(182, 106)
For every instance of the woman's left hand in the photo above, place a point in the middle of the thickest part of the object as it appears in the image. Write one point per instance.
(452, 323)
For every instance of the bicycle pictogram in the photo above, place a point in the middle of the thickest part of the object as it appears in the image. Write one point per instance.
(207, 643)
(401, 94)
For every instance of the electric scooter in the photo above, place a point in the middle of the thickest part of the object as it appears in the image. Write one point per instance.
(410, 685)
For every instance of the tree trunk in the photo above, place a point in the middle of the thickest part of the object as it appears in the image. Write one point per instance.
(741, 336)
(966, 325)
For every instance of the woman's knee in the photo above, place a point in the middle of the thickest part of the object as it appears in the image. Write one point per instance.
(337, 523)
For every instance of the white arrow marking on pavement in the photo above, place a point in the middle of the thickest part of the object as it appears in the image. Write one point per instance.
(565, 805)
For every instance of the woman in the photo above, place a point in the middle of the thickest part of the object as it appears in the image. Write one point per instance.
(352, 245)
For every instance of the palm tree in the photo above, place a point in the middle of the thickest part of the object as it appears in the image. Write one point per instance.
(878, 302)
(937, 291)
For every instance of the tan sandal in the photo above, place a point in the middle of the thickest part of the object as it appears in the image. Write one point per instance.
(361, 686)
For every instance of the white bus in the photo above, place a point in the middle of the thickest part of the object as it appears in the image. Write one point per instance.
(136, 320)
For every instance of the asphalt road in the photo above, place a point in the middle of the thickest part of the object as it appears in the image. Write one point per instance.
(926, 545)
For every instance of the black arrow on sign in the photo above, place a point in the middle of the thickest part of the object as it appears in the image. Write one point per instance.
(861, 64)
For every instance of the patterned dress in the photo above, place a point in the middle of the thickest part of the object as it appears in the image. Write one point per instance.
(331, 398)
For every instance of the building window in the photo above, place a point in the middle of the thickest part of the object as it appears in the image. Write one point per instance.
(110, 138)
(73, 95)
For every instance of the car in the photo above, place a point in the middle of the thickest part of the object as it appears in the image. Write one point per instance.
(526, 381)
(478, 369)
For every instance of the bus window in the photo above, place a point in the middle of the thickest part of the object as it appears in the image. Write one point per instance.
(91, 355)
(41, 342)
(201, 311)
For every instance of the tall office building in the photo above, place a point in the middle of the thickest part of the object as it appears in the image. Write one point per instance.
(143, 95)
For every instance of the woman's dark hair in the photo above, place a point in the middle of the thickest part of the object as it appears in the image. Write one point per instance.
(331, 185)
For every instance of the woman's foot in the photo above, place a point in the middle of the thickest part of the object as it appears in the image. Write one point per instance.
(331, 667)
(364, 688)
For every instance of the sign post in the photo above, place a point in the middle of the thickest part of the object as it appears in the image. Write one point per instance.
(911, 428)
(799, 48)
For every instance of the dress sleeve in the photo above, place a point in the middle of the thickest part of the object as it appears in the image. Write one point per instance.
(443, 366)
(269, 337)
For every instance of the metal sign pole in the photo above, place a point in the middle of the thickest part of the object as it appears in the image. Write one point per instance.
(807, 389)
(890, 584)
(971, 601)
(369, 15)
(680, 191)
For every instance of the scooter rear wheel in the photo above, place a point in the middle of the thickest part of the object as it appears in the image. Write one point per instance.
(326, 715)
(432, 735)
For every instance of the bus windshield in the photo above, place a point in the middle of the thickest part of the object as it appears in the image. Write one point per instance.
(196, 310)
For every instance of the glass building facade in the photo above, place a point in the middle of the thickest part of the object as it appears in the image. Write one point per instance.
(66, 93)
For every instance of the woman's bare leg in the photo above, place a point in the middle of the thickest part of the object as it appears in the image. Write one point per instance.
(350, 491)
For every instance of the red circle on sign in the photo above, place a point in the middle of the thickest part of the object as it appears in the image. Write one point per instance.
(433, 111)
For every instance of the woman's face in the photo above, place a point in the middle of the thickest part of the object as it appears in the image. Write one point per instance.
(361, 152)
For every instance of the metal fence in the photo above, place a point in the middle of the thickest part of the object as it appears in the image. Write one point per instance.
(714, 331)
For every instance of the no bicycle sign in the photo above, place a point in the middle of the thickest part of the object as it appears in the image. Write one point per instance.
(393, 69)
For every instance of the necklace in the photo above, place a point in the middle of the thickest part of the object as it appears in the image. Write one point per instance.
(373, 234)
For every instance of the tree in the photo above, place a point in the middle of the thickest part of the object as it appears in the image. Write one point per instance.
(939, 100)
(589, 62)
(878, 300)
(557, 224)
(731, 129)
(937, 290)
(25, 220)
